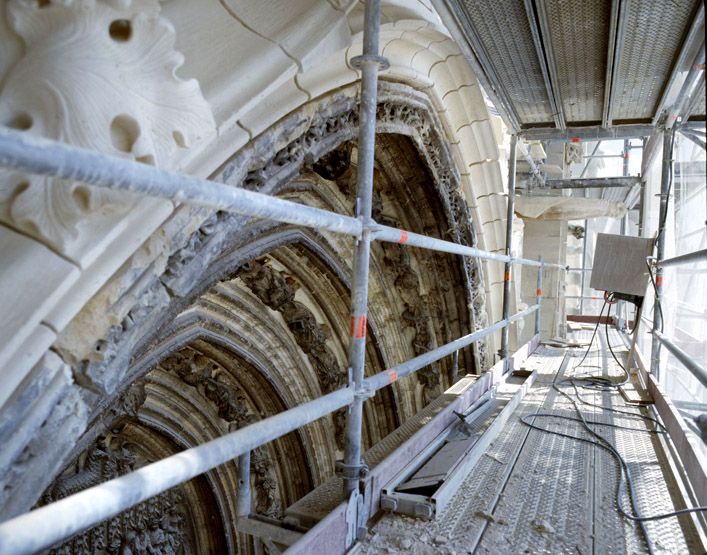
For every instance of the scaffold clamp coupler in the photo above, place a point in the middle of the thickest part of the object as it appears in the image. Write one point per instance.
(356, 471)
(364, 392)
(357, 61)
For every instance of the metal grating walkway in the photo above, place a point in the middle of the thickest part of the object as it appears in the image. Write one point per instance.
(534, 492)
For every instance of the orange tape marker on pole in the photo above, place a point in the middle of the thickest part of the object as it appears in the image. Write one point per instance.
(358, 327)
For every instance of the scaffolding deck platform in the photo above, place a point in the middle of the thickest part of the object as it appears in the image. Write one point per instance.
(536, 492)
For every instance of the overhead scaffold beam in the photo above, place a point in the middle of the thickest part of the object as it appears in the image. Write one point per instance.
(593, 182)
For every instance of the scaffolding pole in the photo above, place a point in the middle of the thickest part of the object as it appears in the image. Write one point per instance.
(243, 493)
(509, 241)
(353, 467)
(668, 135)
(538, 295)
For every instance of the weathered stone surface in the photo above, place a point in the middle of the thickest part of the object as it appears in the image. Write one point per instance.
(35, 427)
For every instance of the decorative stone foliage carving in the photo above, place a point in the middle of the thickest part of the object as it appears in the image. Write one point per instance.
(278, 293)
(155, 526)
(99, 74)
(208, 378)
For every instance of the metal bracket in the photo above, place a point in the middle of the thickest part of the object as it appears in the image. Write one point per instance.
(357, 61)
(352, 518)
(366, 391)
(355, 471)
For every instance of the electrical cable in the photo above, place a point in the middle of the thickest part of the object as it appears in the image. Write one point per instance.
(608, 342)
(594, 333)
(625, 485)
(656, 294)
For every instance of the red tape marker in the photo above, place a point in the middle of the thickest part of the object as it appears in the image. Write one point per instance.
(358, 326)
(658, 281)
(393, 375)
(538, 292)
(403, 237)
(507, 276)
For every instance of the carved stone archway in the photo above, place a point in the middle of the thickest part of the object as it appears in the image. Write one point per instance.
(249, 318)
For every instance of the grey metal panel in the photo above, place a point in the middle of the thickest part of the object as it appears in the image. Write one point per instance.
(620, 264)
(656, 31)
(504, 31)
(579, 33)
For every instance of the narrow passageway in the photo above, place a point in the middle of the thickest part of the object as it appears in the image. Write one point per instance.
(539, 492)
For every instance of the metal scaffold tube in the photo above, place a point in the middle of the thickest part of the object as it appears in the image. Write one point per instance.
(44, 527)
(368, 63)
(400, 236)
(697, 256)
(243, 493)
(391, 375)
(668, 135)
(32, 154)
(700, 372)
(538, 295)
(25, 152)
(509, 241)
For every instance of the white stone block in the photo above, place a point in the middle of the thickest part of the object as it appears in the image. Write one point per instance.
(32, 280)
(273, 106)
(14, 370)
(444, 81)
(401, 51)
(235, 66)
(331, 74)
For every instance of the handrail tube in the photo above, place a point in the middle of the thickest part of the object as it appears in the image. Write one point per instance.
(507, 267)
(390, 375)
(32, 154)
(36, 155)
(700, 372)
(684, 259)
(400, 236)
(43, 527)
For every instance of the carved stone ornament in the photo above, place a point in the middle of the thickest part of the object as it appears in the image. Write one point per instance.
(154, 526)
(99, 75)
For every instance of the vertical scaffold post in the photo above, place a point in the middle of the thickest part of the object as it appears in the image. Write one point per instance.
(668, 135)
(352, 468)
(539, 295)
(509, 239)
(622, 306)
(243, 494)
